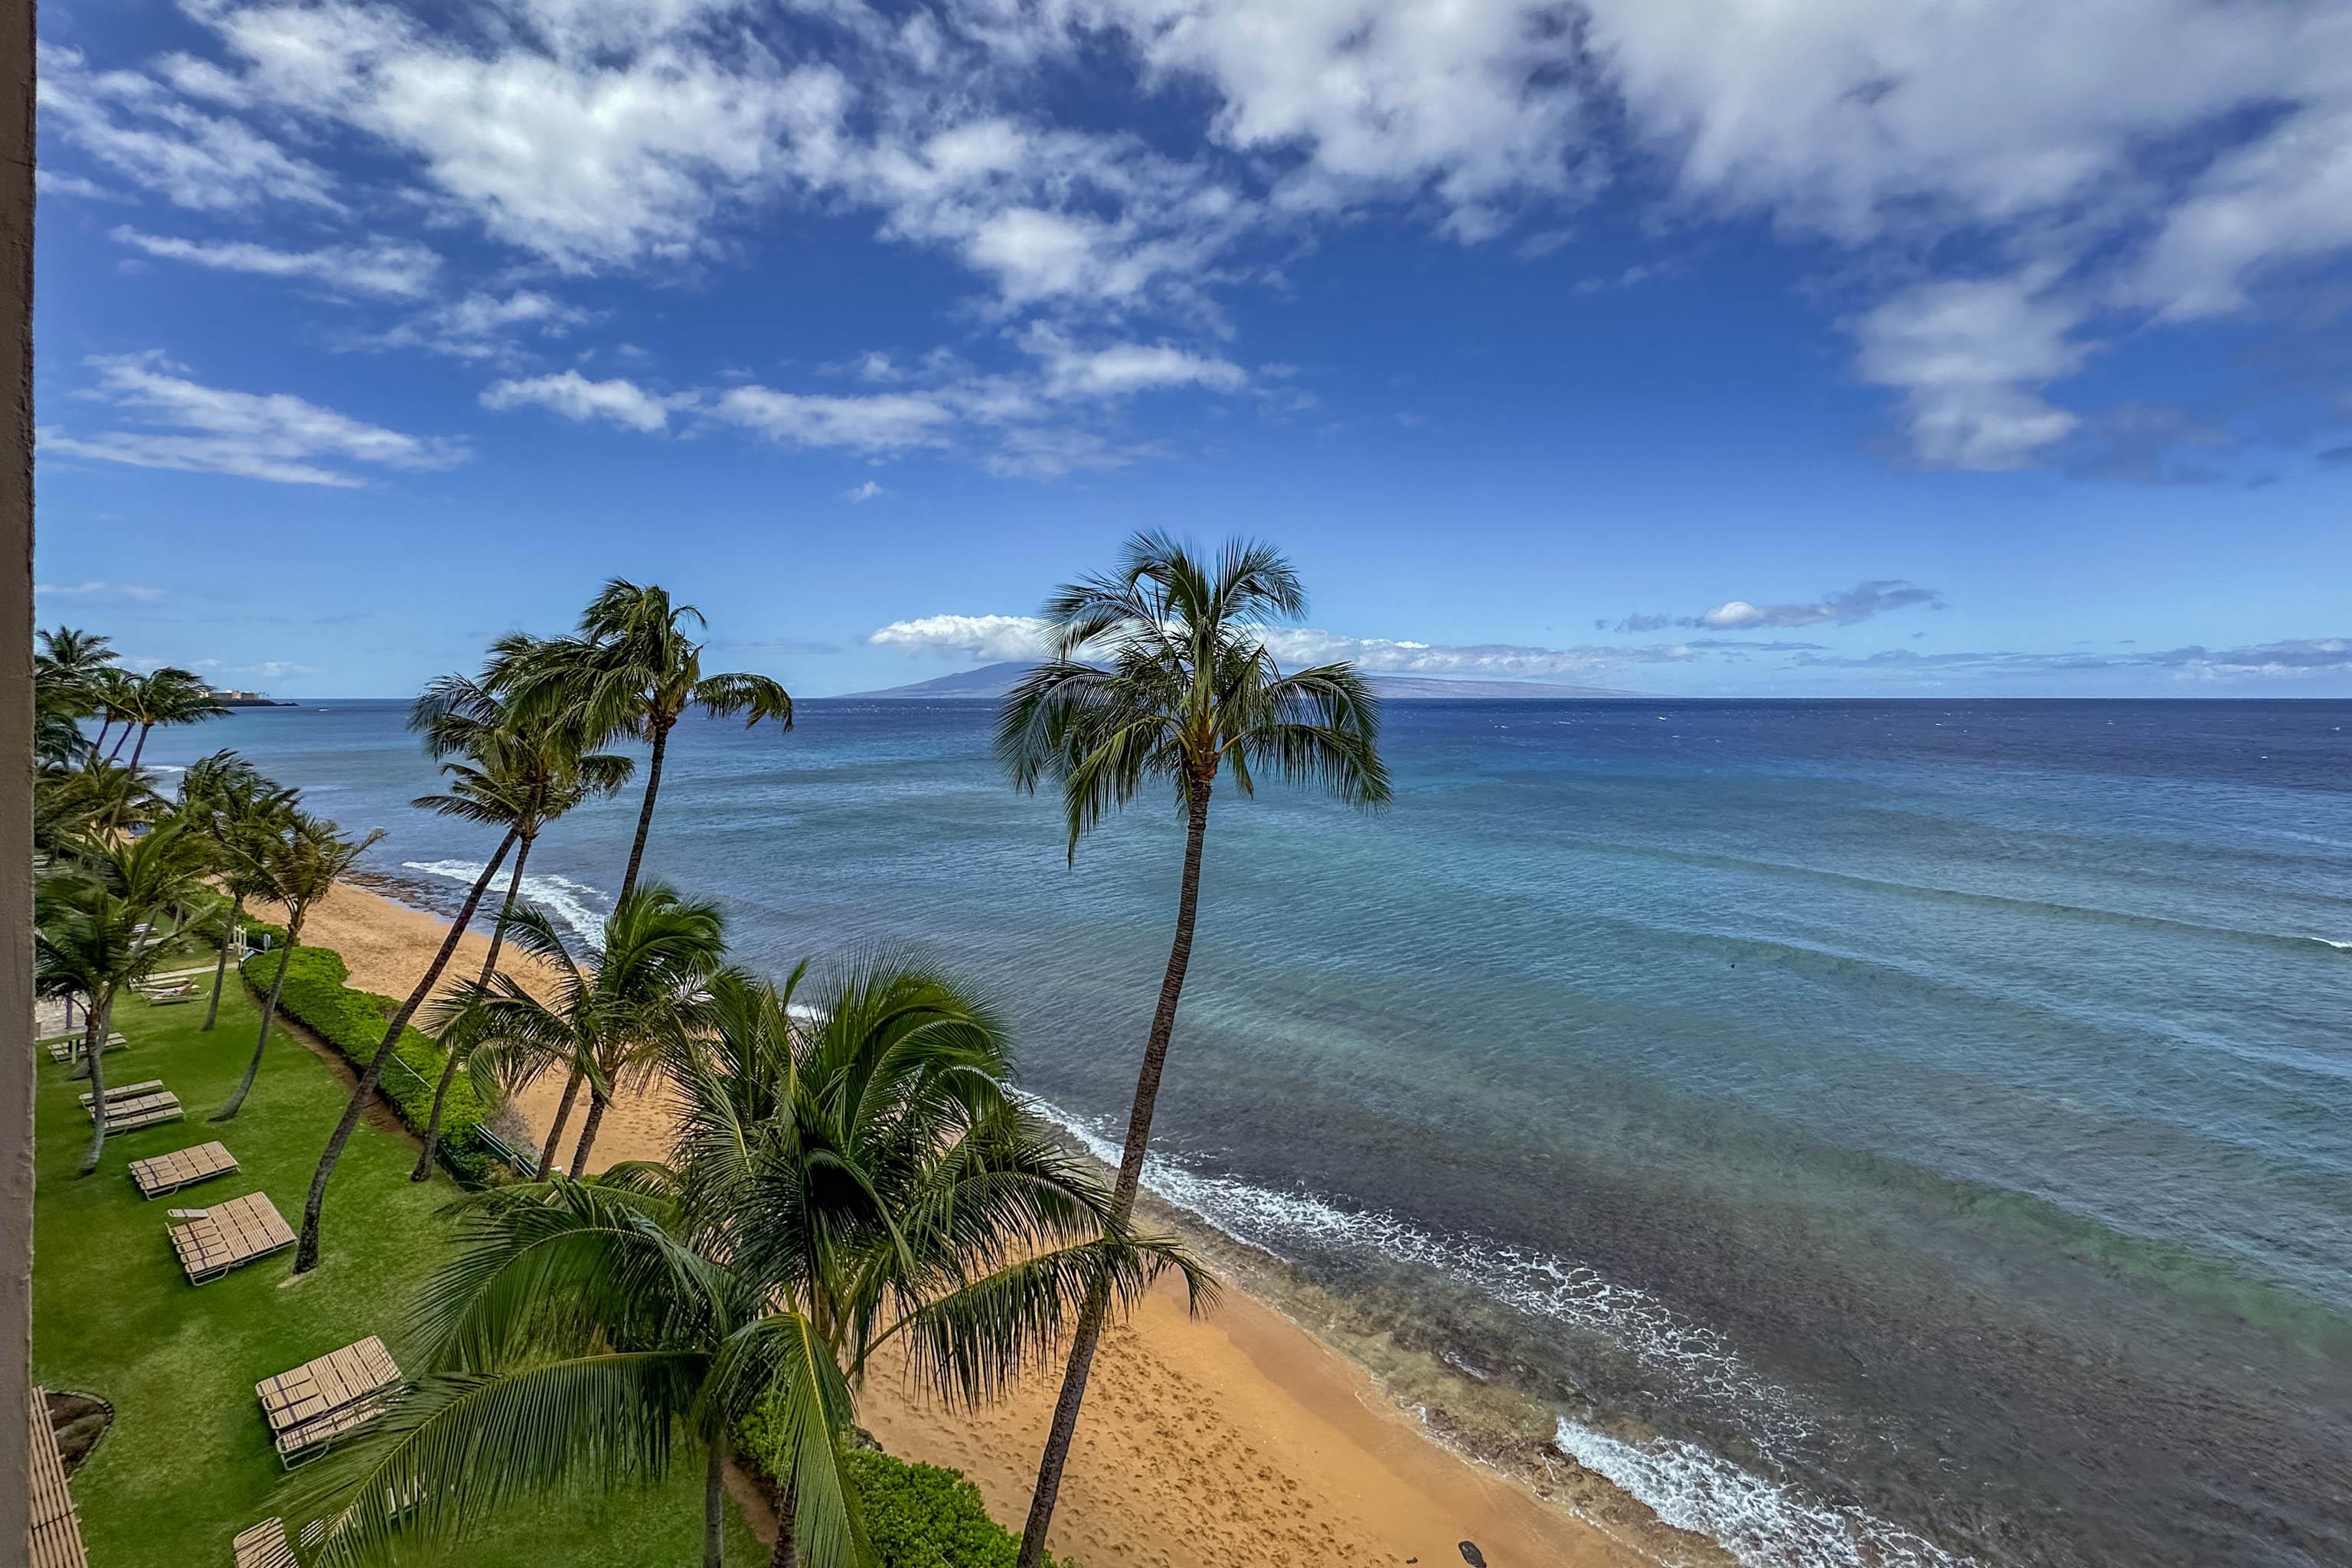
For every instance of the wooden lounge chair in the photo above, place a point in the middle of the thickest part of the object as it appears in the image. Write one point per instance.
(264, 1546)
(56, 1532)
(136, 1105)
(181, 1168)
(321, 1400)
(69, 1049)
(210, 1242)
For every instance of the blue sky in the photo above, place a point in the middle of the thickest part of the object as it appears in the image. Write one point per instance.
(1755, 346)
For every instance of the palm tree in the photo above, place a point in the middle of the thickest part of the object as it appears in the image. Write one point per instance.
(114, 695)
(93, 937)
(531, 771)
(614, 1021)
(296, 862)
(1186, 691)
(65, 669)
(171, 696)
(632, 670)
(232, 809)
(837, 1191)
(73, 808)
(482, 793)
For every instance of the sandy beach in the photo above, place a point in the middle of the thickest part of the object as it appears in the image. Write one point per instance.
(1240, 1437)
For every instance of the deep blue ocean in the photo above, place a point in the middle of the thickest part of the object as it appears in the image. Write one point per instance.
(1877, 1133)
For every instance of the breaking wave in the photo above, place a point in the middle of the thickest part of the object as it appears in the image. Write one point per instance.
(579, 907)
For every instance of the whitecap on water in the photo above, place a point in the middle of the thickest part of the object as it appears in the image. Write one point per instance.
(573, 903)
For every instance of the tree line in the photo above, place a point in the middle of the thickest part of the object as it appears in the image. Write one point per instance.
(850, 1176)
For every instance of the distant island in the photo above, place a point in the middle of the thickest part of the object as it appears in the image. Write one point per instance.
(993, 680)
(248, 700)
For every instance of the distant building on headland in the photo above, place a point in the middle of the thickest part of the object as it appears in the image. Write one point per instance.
(233, 699)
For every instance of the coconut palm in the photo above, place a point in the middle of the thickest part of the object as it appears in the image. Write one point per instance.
(632, 669)
(84, 806)
(295, 860)
(840, 1193)
(66, 665)
(613, 1022)
(114, 695)
(1186, 692)
(232, 809)
(93, 937)
(529, 772)
(171, 696)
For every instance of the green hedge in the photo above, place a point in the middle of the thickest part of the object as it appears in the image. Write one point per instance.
(353, 1022)
(918, 1516)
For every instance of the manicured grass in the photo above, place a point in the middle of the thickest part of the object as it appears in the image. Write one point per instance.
(188, 1461)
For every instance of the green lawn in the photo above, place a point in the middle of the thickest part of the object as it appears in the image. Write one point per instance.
(188, 1462)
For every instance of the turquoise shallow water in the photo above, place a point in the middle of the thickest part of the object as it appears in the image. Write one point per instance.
(1885, 1132)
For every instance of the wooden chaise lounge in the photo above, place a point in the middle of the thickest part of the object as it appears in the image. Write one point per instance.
(55, 1536)
(322, 1400)
(212, 1241)
(68, 1049)
(264, 1546)
(137, 1105)
(181, 1168)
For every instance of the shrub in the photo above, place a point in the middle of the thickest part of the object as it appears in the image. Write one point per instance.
(918, 1516)
(353, 1022)
(257, 933)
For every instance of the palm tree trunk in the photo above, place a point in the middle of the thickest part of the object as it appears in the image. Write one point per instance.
(588, 1132)
(787, 1554)
(144, 731)
(220, 970)
(424, 1172)
(98, 744)
(714, 1503)
(118, 741)
(94, 1049)
(1122, 1198)
(555, 1132)
(268, 1013)
(646, 812)
(306, 1254)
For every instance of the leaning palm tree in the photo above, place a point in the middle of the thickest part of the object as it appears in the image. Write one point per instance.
(114, 697)
(1185, 693)
(88, 804)
(528, 772)
(172, 696)
(295, 860)
(613, 1022)
(66, 666)
(839, 1192)
(94, 937)
(633, 670)
(232, 810)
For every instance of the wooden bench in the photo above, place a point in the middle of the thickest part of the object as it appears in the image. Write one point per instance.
(264, 1546)
(210, 1242)
(68, 1049)
(136, 1105)
(181, 1168)
(56, 1532)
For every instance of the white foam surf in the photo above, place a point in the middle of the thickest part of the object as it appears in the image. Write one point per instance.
(580, 908)
(1763, 1524)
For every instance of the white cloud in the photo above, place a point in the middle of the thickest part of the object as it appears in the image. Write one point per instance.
(396, 268)
(1847, 607)
(881, 423)
(154, 138)
(988, 638)
(129, 592)
(867, 492)
(1972, 358)
(573, 395)
(1118, 369)
(483, 325)
(49, 183)
(181, 424)
(2287, 197)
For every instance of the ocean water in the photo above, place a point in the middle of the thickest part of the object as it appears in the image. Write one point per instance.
(1876, 1133)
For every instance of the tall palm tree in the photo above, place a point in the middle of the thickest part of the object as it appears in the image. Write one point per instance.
(614, 1021)
(66, 665)
(482, 791)
(838, 1192)
(93, 937)
(72, 809)
(295, 861)
(632, 669)
(529, 772)
(1186, 692)
(232, 810)
(114, 695)
(172, 696)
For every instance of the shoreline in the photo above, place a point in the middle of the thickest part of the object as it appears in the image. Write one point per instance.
(1241, 1435)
